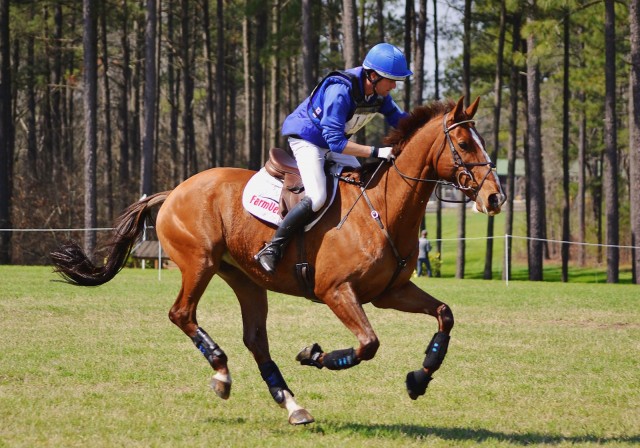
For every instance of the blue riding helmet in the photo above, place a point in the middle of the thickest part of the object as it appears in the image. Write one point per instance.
(388, 61)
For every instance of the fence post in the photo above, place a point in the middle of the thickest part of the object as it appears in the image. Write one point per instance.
(506, 258)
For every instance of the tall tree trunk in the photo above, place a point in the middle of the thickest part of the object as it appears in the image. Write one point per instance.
(246, 64)
(150, 91)
(418, 70)
(597, 194)
(136, 96)
(409, 31)
(534, 156)
(417, 87)
(380, 19)
(514, 83)
(308, 49)
(436, 96)
(566, 96)
(189, 161)
(46, 141)
(89, 45)
(220, 83)
(274, 112)
(232, 99)
(69, 105)
(580, 196)
(436, 54)
(106, 94)
(6, 134)
(466, 76)
(610, 177)
(56, 81)
(334, 17)
(497, 106)
(256, 152)
(123, 116)
(350, 31)
(210, 87)
(362, 33)
(634, 134)
(173, 93)
(32, 131)
(159, 70)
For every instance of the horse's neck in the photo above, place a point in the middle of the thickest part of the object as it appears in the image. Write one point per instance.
(406, 199)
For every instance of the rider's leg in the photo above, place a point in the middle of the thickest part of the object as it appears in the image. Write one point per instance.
(310, 160)
(296, 218)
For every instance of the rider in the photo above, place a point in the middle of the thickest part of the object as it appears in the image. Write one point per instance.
(320, 127)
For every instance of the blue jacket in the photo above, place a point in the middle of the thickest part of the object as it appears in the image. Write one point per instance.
(337, 109)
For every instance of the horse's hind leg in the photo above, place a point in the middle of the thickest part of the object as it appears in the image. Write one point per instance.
(254, 307)
(183, 314)
(411, 299)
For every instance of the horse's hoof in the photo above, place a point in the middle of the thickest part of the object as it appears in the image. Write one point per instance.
(301, 417)
(417, 382)
(309, 356)
(221, 388)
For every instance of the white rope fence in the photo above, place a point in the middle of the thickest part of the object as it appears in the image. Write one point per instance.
(495, 237)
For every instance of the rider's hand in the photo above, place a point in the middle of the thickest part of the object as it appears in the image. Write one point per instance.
(384, 153)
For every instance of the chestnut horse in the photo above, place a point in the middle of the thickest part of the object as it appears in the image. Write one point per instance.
(367, 258)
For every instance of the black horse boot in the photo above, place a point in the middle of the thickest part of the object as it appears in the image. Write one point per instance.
(296, 218)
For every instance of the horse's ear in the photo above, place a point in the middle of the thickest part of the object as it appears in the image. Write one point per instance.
(456, 113)
(471, 110)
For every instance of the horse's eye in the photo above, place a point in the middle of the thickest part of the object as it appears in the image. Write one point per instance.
(463, 145)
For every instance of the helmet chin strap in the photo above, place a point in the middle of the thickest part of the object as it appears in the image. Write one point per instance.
(372, 81)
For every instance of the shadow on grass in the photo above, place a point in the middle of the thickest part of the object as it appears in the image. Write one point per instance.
(465, 434)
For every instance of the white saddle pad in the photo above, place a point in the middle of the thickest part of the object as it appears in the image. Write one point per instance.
(261, 197)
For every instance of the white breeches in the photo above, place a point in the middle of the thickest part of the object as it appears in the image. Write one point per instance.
(310, 159)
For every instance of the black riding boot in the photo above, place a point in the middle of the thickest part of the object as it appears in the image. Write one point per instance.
(296, 218)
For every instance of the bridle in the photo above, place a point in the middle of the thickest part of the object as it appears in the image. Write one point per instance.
(462, 174)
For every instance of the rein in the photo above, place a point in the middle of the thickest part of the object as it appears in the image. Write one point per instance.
(401, 262)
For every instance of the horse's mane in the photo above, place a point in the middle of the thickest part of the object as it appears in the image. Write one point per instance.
(407, 126)
(418, 117)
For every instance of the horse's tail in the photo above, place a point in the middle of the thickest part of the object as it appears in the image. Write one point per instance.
(73, 264)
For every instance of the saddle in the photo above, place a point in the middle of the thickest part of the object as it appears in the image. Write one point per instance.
(283, 166)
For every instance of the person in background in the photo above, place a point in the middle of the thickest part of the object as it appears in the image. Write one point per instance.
(424, 247)
(320, 127)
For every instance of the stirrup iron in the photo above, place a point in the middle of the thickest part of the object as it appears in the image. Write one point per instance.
(269, 256)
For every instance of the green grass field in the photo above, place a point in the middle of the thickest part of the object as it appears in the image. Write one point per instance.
(545, 364)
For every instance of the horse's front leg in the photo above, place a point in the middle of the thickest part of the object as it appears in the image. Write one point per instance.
(411, 299)
(344, 303)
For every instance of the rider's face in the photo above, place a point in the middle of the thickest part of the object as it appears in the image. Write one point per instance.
(385, 86)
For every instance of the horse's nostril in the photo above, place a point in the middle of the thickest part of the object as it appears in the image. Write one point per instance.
(494, 200)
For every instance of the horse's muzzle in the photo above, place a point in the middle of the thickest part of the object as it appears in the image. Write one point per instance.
(492, 204)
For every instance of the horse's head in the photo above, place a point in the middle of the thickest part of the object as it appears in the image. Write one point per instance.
(465, 162)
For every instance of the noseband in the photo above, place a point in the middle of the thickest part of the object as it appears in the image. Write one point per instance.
(462, 169)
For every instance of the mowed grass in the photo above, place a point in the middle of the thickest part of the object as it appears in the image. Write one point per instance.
(546, 364)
